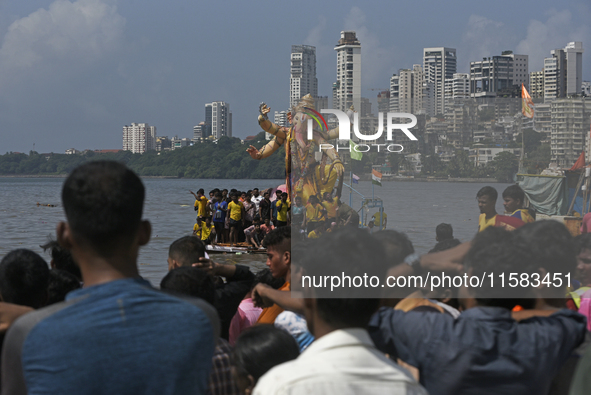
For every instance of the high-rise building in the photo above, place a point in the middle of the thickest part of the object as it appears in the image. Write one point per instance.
(208, 120)
(555, 75)
(384, 102)
(563, 72)
(457, 88)
(347, 88)
(520, 68)
(302, 79)
(439, 64)
(221, 119)
(199, 132)
(586, 88)
(139, 138)
(543, 119)
(497, 73)
(574, 67)
(406, 90)
(569, 127)
(321, 102)
(536, 84)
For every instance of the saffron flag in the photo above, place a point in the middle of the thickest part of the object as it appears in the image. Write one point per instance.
(580, 163)
(355, 179)
(376, 177)
(527, 104)
(355, 154)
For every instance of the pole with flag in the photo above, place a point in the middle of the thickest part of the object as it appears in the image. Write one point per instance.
(376, 179)
(527, 104)
(355, 155)
(527, 109)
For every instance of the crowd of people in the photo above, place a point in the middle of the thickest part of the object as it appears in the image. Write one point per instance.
(87, 323)
(232, 217)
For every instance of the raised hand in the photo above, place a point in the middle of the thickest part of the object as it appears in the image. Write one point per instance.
(254, 152)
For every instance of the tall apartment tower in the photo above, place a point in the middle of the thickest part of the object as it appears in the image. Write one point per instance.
(302, 73)
(536, 84)
(496, 73)
(139, 138)
(439, 64)
(457, 88)
(574, 67)
(563, 72)
(406, 90)
(347, 88)
(219, 116)
(569, 126)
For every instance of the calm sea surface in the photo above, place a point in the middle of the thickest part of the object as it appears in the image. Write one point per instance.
(412, 207)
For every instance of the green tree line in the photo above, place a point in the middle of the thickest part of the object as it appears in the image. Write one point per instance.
(227, 158)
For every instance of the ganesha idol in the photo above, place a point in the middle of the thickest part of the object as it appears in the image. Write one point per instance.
(308, 172)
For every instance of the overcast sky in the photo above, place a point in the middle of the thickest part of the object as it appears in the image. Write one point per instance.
(73, 73)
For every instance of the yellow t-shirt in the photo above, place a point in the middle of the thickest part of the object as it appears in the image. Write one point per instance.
(235, 210)
(282, 215)
(313, 235)
(201, 205)
(197, 230)
(483, 223)
(206, 231)
(331, 207)
(314, 213)
(522, 214)
(376, 218)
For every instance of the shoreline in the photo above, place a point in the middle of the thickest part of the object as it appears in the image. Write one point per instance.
(362, 178)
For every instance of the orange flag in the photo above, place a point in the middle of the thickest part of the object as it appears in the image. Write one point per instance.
(580, 163)
(527, 104)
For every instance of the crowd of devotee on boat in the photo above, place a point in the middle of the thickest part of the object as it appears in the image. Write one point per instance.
(88, 323)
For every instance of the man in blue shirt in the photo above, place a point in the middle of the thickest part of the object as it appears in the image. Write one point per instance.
(114, 335)
(484, 350)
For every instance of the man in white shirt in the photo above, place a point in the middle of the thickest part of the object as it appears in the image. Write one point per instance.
(343, 359)
(256, 199)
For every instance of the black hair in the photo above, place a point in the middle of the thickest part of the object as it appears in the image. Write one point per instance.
(191, 281)
(265, 277)
(103, 201)
(62, 258)
(218, 195)
(582, 242)
(444, 232)
(493, 253)
(61, 283)
(396, 244)
(280, 238)
(24, 277)
(201, 191)
(488, 191)
(445, 245)
(313, 199)
(260, 348)
(355, 252)
(514, 192)
(549, 245)
(187, 250)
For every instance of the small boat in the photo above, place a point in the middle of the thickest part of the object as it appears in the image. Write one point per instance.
(240, 248)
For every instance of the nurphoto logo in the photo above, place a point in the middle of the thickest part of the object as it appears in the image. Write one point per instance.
(345, 123)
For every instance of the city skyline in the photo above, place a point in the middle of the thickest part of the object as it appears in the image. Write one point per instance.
(66, 84)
